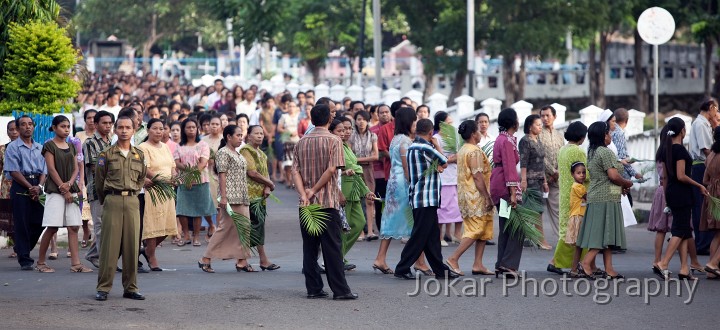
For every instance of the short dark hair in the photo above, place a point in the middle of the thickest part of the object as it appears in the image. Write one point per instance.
(424, 126)
(12, 122)
(529, 120)
(467, 128)
(26, 116)
(125, 117)
(185, 106)
(596, 136)
(323, 100)
(334, 124)
(103, 113)
(320, 114)
(576, 131)
(404, 121)
(57, 120)
(242, 115)
(127, 112)
(707, 103)
(205, 117)
(395, 106)
(353, 103)
(507, 119)
(621, 115)
(551, 108)
(87, 112)
(482, 114)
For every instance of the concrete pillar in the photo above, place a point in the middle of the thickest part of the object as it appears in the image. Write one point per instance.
(492, 107)
(636, 119)
(415, 95)
(337, 92)
(322, 90)
(589, 114)
(373, 95)
(391, 95)
(355, 92)
(437, 102)
(523, 109)
(560, 110)
(465, 107)
(293, 88)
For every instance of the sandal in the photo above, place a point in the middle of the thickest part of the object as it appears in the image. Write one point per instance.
(196, 243)
(271, 267)
(382, 270)
(248, 268)
(713, 271)
(84, 244)
(52, 256)
(453, 269)
(80, 268)
(44, 268)
(426, 272)
(69, 255)
(205, 267)
(482, 272)
(12, 255)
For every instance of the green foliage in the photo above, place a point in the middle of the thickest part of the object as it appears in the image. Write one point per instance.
(38, 76)
(242, 224)
(161, 190)
(257, 206)
(21, 12)
(714, 207)
(188, 176)
(450, 138)
(525, 218)
(313, 219)
(433, 168)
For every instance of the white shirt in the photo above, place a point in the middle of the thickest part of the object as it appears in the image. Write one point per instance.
(113, 110)
(246, 107)
(255, 118)
(212, 98)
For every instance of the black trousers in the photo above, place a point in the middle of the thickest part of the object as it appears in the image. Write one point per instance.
(423, 238)
(380, 190)
(28, 217)
(332, 255)
(510, 247)
(702, 238)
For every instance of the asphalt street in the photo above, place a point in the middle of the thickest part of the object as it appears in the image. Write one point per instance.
(183, 297)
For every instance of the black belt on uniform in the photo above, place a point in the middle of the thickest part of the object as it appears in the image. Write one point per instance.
(32, 176)
(121, 192)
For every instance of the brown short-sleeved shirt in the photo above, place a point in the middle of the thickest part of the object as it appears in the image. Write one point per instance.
(64, 164)
(314, 153)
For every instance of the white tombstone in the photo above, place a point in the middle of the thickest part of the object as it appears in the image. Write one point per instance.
(322, 90)
(90, 63)
(293, 88)
(278, 84)
(207, 80)
(636, 119)
(4, 120)
(355, 92)
(373, 95)
(156, 64)
(305, 87)
(415, 95)
(589, 114)
(391, 95)
(337, 92)
(266, 85)
(560, 112)
(491, 107)
(523, 109)
(437, 102)
(465, 107)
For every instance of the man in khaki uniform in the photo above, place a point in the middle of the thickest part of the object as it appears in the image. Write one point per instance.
(119, 175)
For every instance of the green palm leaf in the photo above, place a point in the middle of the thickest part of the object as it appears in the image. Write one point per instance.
(714, 207)
(257, 206)
(409, 216)
(532, 199)
(161, 190)
(432, 168)
(522, 224)
(189, 176)
(242, 224)
(313, 219)
(41, 198)
(449, 137)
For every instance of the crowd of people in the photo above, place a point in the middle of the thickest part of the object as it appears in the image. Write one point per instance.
(377, 172)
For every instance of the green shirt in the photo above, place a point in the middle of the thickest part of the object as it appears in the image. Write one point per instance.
(353, 187)
(256, 161)
(601, 188)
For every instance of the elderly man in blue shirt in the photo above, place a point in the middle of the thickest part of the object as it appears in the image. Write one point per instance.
(25, 165)
(425, 199)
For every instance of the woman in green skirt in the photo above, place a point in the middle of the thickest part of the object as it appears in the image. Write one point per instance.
(259, 188)
(602, 227)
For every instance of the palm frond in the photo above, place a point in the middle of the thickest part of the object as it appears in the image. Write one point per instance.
(189, 176)
(161, 190)
(449, 137)
(242, 224)
(409, 216)
(41, 198)
(274, 199)
(432, 168)
(313, 219)
(714, 207)
(532, 199)
(522, 225)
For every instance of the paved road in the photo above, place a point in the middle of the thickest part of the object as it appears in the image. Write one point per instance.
(188, 298)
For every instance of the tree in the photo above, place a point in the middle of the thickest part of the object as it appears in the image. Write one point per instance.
(438, 28)
(38, 66)
(142, 22)
(23, 11)
(705, 27)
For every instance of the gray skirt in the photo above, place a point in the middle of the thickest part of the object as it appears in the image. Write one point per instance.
(603, 226)
(195, 202)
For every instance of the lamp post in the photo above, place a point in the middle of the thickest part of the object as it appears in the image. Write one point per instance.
(231, 42)
(471, 46)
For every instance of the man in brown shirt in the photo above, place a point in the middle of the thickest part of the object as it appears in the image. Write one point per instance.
(551, 141)
(318, 155)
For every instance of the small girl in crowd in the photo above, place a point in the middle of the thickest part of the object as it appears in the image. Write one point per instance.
(578, 203)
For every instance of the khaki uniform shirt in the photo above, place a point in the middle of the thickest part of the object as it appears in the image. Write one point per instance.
(115, 171)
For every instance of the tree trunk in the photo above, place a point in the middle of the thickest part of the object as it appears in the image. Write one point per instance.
(600, 87)
(314, 66)
(708, 67)
(641, 95)
(592, 71)
(429, 86)
(521, 79)
(509, 83)
(459, 83)
(152, 38)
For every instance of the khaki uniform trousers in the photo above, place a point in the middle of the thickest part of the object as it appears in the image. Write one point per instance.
(120, 230)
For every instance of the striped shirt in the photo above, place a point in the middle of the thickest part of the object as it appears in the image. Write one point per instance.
(424, 187)
(313, 154)
(91, 149)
